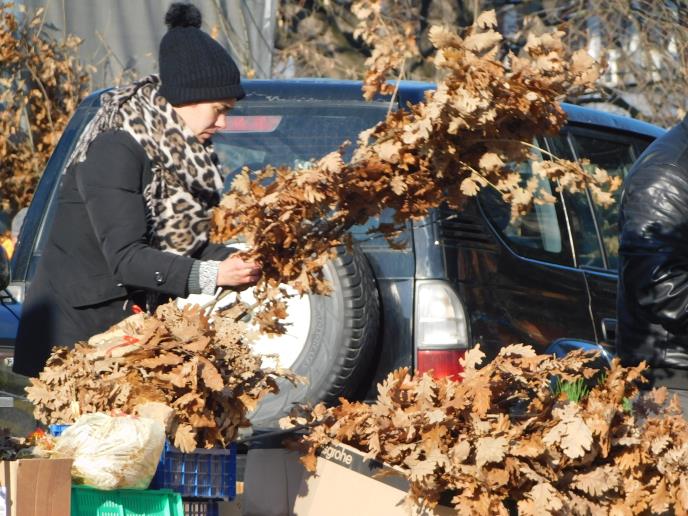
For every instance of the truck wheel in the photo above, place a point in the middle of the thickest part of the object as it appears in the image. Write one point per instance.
(338, 343)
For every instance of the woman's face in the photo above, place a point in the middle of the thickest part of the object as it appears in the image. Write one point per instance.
(205, 118)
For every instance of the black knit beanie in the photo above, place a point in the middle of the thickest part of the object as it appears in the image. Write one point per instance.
(193, 66)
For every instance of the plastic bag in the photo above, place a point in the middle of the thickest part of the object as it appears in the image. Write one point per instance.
(119, 340)
(112, 452)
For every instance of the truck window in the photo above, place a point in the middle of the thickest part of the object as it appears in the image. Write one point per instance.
(579, 213)
(294, 134)
(537, 234)
(291, 133)
(615, 154)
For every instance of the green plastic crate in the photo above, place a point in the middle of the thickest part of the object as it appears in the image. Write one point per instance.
(87, 501)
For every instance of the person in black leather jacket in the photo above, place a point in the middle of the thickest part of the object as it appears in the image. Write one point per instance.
(652, 300)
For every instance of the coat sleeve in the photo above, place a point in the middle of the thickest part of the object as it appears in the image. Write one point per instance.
(214, 252)
(654, 245)
(109, 181)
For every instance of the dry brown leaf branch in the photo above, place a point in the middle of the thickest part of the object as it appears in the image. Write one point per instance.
(471, 132)
(504, 433)
(202, 369)
(388, 28)
(41, 84)
(643, 43)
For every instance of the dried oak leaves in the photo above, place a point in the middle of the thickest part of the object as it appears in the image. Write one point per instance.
(202, 369)
(466, 135)
(502, 434)
(389, 29)
(41, 84)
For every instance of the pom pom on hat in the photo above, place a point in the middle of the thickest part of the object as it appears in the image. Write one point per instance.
(183, 15)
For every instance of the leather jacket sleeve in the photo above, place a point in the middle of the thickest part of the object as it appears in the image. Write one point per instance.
(109, 182)
(654, 243)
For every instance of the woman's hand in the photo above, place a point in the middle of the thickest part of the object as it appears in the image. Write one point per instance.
(237, 273)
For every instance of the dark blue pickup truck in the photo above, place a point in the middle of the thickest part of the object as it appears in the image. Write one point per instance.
(466, 277)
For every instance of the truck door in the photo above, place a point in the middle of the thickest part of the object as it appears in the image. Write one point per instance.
(530, 289)
(595, 228)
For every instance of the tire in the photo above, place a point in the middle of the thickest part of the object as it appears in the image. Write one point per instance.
(340, 349)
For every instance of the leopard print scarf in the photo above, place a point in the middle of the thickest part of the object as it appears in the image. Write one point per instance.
(186, 182)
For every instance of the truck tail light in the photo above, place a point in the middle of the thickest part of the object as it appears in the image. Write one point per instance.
(441, 330)
(441, 362)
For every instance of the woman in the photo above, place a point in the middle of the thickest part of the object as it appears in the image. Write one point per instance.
(134, 205)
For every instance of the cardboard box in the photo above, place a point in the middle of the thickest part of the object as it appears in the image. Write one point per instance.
(35, 487)
(232, 508)
(272, 479)
(344, 484)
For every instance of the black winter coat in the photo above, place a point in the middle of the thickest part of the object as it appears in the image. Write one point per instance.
(652, 298)
(97, 263)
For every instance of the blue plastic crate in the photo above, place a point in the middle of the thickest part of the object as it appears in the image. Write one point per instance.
(201, 474)
(57, 430)
(200, 507)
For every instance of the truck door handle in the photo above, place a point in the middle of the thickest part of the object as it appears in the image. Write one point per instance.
(609, 330)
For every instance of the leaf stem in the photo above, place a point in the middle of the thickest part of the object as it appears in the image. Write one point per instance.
(210, 305)
(479, 174)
